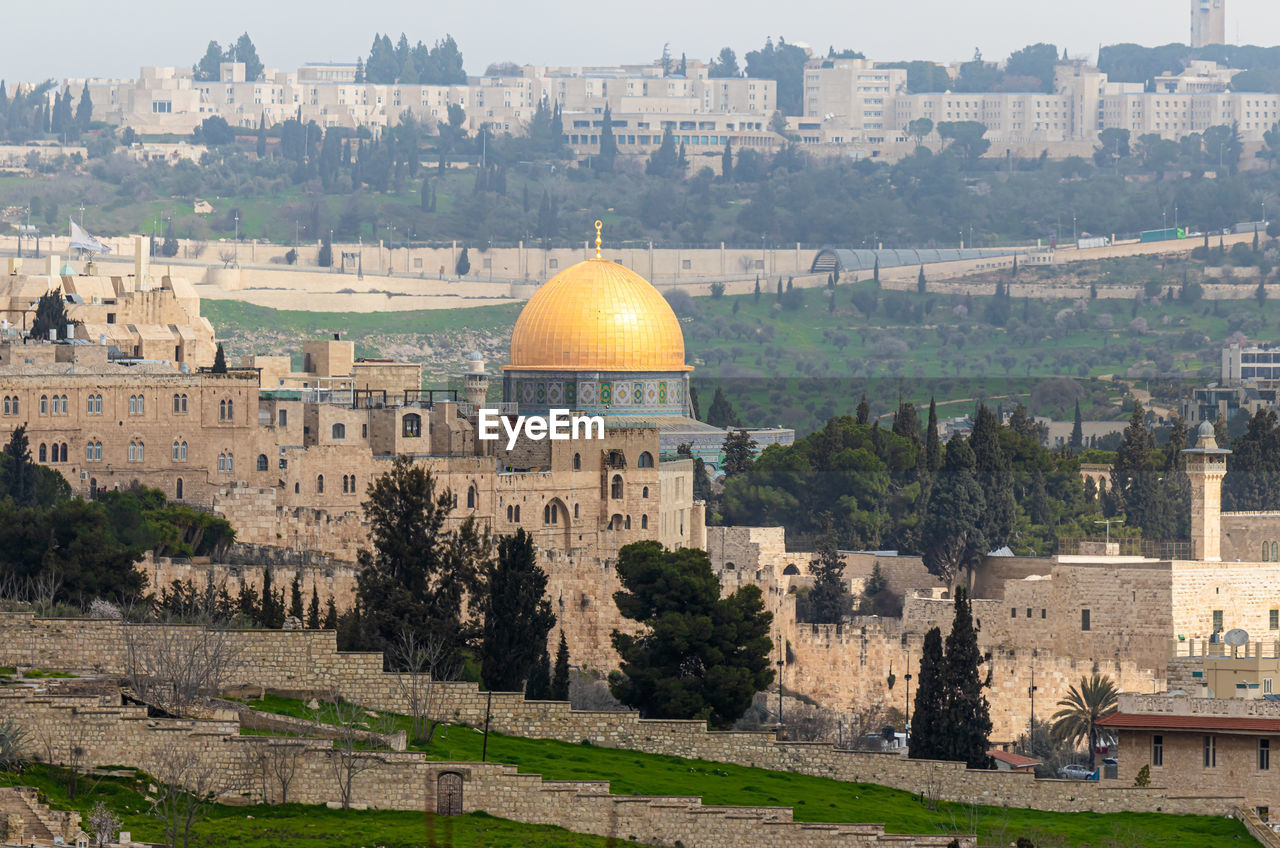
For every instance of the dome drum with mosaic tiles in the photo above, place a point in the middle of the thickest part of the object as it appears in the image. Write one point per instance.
(597, 337)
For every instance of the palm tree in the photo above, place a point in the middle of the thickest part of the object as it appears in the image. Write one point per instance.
(1083, 707)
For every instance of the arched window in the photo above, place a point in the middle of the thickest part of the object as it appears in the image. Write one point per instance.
(297, 488)
(184, 403)
(510, 512)
(133, 451)
(141, 404)
(222, 410)
(411, 426)
(644, 493)
(177, 489)
(339, 431)
(644, 522)
(222, 463)
(615, 523)
(790, 569)
(471, 497)
(6, 405)
(231, 462)
(88, 452)
(626, 524)
(645, 461)
(517, 515)
(177, 450)
(44, 453)
(262, 462)
(1266, 552)
(183, 455)
(551, 514)
(231, 411)
(577, 462)
(575, 511)
(15, 405)
(177, 403)
(353, 484)
(44, 404)
(615, 489)
(320, 484)
(97, 451)
(1275, 551)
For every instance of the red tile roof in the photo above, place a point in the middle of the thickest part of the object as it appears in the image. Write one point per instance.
(1014, 760)
(1193, 722)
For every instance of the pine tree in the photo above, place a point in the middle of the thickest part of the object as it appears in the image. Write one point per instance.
(51, 315)
(219, 360)
(295, 598)
(1077, 430)
(721, 412)
(313, 610)
(19, 479)
(968, 714)
(560, 678)
(739, 451)
(828, 600)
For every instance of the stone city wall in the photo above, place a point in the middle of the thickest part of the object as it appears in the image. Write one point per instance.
(114, 734)
(307, 663)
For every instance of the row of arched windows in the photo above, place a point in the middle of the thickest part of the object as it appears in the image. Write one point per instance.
(55, 405)
(179, 404)
(513, 513)
(52, 453)
(93, 404)
(349, 483)
(226, 410)
(93, 452)
(11, 405)
(179, 451)
(617, 460)
(226, 462)
(1271, 551)
(137, 404)
(136, 450)
(619, 522)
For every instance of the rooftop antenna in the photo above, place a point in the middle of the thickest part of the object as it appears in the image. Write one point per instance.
(1109, 522)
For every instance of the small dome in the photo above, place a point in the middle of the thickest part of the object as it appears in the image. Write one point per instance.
(475, 356)
(68, 271)
(1206, 429)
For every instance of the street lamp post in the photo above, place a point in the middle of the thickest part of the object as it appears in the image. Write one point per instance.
(1031, 740)
(82, 213)
(235, 244)
(907, 725)
(1074, 237)
(779, 682)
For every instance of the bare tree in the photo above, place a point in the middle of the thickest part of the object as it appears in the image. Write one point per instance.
(187, 782)
(196, 249)
(278, 762)
(346, 758)
(103, 824)
(227, 255)
(421, 663)
(171, 667)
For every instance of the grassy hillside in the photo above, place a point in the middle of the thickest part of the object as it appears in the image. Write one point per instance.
(297, 825)
(814, 799)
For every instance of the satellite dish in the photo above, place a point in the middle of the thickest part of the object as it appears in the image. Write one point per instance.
(1235, 637)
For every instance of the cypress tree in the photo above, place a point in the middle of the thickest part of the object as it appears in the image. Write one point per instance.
(517, 615)
(560, 678)
(932, 441)
(927, 733)
(219, 360)
(968, 716)
(19, 478)
(921, 285)
(1077, 430)
(756, 297)
(726, 162)
(863, 412)
(330, 615)
(538, 687)
(313, 611)
(295, 598)
(994, 473)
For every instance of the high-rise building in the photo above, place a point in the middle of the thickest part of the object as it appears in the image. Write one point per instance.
(1208, 22)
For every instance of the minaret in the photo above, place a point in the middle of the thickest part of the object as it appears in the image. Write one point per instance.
(475, 381)
(1206, 466)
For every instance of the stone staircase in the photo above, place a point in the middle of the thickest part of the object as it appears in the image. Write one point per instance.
(40, 825)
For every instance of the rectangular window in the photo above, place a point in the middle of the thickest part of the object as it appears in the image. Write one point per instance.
(1084, 619)
(1274, 619)
(1043, 613)
(1217, 621)
(1264, 755)
(1013, 612)
(1157, 749)
(1266, 686)
(1210, 752)
(1028, 612)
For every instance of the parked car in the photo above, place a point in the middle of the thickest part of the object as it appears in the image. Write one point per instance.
(1075, 771)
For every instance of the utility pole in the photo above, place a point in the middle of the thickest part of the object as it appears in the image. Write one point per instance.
(907, 725)
(236, 242)
(779, 683)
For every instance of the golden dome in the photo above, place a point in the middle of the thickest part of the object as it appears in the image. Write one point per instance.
(597, 315)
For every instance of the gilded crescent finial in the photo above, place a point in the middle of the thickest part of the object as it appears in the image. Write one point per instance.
(599, 226)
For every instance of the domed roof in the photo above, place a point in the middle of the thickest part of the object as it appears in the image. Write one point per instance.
(1206, 428)
(597, 316)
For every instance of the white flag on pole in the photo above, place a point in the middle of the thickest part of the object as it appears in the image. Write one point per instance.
(84, 241)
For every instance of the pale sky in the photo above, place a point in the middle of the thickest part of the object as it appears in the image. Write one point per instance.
(76, 38)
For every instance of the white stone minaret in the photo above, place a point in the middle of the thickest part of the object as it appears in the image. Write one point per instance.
(475, 381)
(1206, 466)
